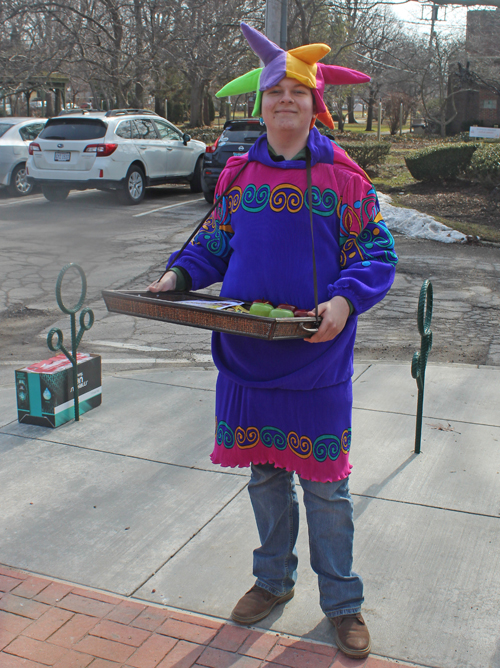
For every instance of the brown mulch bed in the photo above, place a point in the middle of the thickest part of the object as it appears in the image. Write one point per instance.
(459, 201)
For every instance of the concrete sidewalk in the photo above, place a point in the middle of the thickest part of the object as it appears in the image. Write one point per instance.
(128, 502)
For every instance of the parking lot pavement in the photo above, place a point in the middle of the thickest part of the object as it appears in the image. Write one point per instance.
(117, 246)
(127, 247)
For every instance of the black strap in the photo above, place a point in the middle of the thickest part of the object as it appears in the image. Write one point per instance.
(309, 197)
(200, 225)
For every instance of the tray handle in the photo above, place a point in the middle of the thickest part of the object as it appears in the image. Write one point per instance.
(309, 330)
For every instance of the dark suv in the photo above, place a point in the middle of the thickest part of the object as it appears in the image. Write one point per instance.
(236, 139)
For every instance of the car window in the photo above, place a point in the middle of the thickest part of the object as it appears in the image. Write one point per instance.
(243, 132)
(124, 130)
(73, 129)
(4, 127)
(31, 132)
(166, 131)
(143, 129)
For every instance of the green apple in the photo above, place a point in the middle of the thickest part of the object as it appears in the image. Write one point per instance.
(281, 313)
(260, 308)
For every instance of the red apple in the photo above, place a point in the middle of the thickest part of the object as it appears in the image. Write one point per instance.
(287, 307)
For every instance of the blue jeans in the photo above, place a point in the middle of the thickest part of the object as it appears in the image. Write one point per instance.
(331, 531)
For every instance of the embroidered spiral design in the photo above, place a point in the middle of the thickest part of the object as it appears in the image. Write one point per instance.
(333, 447)
(246, 438)
(316, 198)
(302, 446)
(349, 250)
(217, 243)
(320, 449)
(255, 200)
(225, 435)
(368, 205)
(329, 201)
(324, 204)
(208, 227)
(234, 199)
(280, 198)
(327, 445)
(345, 441)
(294, 201)
(273, 436)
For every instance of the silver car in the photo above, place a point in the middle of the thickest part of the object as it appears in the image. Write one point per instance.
(15, 136)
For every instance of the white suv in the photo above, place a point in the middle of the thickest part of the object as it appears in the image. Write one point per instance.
(123, 150)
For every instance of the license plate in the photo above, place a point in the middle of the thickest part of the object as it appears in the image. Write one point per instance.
(239, 153)
(62, 157)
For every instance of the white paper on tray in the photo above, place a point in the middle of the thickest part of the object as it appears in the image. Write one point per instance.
(217, 305)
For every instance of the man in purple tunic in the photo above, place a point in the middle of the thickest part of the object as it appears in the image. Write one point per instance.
(284, 407)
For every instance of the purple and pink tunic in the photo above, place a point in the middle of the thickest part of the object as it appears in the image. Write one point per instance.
(290, 402)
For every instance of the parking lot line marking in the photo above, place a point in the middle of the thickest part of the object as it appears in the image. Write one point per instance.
(170, 206)
(119, 360)
(26, 200)
(130, 346)
(22, 201)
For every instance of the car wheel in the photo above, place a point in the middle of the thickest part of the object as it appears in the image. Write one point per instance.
(55, 193)
(19, 185)
(134, 188)
(195, 181)
(209, 195)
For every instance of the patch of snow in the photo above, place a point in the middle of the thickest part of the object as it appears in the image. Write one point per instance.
(412, 223)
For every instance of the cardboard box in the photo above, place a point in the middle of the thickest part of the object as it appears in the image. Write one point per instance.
(45, 389)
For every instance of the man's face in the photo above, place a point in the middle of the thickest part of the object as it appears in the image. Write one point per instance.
(288, 106)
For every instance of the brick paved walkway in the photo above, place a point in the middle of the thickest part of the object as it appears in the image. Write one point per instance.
(47, 623)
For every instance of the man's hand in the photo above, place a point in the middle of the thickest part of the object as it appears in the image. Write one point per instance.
(335, 313)
(165, 284)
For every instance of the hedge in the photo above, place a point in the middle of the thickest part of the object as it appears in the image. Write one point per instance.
(445, 161)
(485, 164)
(368, 153)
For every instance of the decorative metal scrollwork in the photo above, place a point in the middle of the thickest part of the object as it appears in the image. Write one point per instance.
(86, 322)
(419, 361)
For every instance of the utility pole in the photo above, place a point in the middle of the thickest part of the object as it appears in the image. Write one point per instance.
(434, 17)
(276, 21)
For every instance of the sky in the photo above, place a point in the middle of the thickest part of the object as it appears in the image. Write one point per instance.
(418, 15)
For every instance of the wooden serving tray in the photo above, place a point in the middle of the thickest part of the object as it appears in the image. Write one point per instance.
(164, 306)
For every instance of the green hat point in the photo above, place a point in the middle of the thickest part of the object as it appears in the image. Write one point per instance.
(257, 106)
(247, 83)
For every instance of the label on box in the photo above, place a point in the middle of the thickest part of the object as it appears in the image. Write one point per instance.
(55, 364)
(45, 393)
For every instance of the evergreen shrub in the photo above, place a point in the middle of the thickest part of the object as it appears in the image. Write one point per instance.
(368, 153)
(445, 161)
(176, 112)
(485, 164)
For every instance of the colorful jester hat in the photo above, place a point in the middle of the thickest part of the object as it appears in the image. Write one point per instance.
(300, 63)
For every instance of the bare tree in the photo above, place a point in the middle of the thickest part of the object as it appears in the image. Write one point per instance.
(437, 96)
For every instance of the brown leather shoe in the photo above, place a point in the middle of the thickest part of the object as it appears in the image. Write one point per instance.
(351, 635)
(256, 604)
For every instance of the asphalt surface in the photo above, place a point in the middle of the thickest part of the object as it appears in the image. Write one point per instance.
(126, 247)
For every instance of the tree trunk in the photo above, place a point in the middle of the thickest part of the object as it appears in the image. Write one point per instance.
(195, 119)
(50, 106)
(160, 106)
(350, 109)
(138, 101)
(369, 112)
(340, 115)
